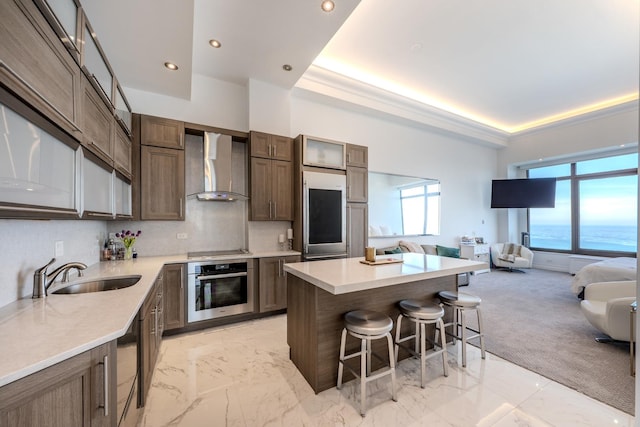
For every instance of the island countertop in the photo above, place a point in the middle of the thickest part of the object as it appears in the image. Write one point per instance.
(340, 276)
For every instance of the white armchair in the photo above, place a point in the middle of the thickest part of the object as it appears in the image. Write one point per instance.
(522, 260)
(607, 305)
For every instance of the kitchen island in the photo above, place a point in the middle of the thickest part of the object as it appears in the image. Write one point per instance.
(320, 293)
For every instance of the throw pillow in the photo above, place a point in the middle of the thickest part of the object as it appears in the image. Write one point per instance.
(393, 251)
(511, 249)
(448, 252)
(412, 247)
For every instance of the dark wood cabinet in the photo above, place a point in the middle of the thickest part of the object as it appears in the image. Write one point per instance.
(70, 393)
(97, 123)
(173, 296)
(151, 328)
(357, 226)
(161, 132)
(162, 192)
(122, 152)
(357, 155)
(271, 146)
(37, 66)
(271, 190)
(273, 282)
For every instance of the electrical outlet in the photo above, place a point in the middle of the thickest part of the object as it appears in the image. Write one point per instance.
(59, 248)
(181, 236)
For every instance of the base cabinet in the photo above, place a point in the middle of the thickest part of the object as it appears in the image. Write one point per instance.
(80, 391)
(173, 296)
(152, 326)
(273, 282)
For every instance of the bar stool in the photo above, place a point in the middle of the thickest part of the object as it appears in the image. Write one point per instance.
(422, 315)
(367, 325)
(461, 302)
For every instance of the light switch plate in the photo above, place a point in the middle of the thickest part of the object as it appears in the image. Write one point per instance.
(181, 236)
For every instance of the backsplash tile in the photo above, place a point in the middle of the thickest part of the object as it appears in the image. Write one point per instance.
(29, 244)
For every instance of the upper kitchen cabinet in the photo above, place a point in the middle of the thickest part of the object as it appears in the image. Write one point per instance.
(357, 155)
(161, 132)
(38, 164)
(123, 111)
(64, 17)
(97, 122)
(271, 196)
(122, 152)
(35, 65)
(162, 192)
(95, 64)
(269, 146)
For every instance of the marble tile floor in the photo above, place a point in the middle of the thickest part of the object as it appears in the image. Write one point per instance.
(241, 375)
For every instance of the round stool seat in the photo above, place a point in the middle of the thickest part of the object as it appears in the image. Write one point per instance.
(367, 322)
(459, 299)
(419, 310)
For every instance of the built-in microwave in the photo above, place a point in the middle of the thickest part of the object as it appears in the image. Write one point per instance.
(324, 215)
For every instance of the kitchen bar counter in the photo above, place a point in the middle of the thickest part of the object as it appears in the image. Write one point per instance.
(38, 333)
(320, 293)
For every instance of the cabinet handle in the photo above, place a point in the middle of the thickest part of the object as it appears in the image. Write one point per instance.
(270, 216)
(105, 383)
(98, 214)
(274, 151)
(280, 267)
(181, 140)
(42, 98)
(348, 157)
(180, 207)
(275, 210)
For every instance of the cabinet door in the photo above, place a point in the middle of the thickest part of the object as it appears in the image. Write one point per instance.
(357, 219)
(259, 144)
(173, 296)
(281, 148)
(70, 393)
(260, 200)
(357, 184)
(273, 283)
(162, 183)
(36, 65)
(161, 132)
(97, 123)
(97, 189)
(282, 190)
(357, 155)
(122, 152)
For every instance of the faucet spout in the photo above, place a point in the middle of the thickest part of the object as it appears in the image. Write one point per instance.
(43, 280)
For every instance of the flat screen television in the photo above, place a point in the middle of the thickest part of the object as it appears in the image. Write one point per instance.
(523, 193)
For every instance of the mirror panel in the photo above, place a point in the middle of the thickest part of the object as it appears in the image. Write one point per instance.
(401, 205)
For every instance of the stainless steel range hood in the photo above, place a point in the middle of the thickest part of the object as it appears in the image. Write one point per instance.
(224, 172)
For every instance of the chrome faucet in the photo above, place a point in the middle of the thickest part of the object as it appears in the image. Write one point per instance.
(42, 280)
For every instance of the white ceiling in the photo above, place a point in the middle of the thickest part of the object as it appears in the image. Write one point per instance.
(510, 64)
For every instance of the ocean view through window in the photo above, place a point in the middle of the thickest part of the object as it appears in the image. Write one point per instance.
(595, 211)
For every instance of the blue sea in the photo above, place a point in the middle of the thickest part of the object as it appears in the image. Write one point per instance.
(598, 237)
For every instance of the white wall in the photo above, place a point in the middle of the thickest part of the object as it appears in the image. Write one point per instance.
(464, 169)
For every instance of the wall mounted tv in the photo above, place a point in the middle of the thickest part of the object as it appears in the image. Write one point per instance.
(523, 193)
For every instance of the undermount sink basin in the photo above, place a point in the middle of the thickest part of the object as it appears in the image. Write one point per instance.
(99, 285)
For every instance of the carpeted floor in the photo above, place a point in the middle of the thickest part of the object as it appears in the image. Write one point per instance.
(534, 321)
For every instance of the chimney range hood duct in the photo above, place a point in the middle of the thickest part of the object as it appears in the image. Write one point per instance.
(224, 169)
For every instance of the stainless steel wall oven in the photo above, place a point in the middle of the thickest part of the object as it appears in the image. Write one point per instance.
(219, 288)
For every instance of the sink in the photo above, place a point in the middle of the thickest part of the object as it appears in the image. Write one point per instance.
(100, 285)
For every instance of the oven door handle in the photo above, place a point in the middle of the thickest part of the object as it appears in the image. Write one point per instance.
(221, 276)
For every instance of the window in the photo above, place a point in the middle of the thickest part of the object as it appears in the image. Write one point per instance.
(420, 206)
(596, 207)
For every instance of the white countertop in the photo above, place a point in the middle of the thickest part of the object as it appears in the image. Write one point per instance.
(38, 333)
(341, 276)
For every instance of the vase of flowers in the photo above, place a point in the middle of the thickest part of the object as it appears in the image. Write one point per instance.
(128, 239)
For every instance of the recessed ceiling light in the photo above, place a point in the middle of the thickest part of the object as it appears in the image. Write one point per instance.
(171, 66)
(215, 43)
(327, 5)
(287, 67)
